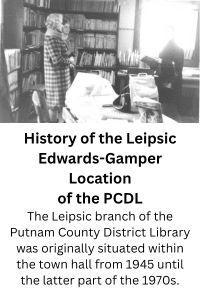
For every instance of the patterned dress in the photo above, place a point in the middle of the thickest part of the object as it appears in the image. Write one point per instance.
(56, 71)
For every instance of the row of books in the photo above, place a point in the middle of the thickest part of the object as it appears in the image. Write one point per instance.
(129, 58)
(31, 60)
(13, 59)
(31, 80)
(85, 5)
(13, 80)
(14, 99)
(80, 22)
(96, 59)
(90, 40)
(188, 53)
(34, 18)
(100, 6)
(39, 3)
(33, 39)
(110, 76)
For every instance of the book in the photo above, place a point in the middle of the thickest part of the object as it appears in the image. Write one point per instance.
(14, 99)
(13, 80)
(149, 110)
(150, 61)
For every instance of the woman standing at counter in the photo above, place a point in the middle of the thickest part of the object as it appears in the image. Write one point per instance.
(70, 48)
(56, 66)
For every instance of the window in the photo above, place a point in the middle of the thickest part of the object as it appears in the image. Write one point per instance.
(156, 17)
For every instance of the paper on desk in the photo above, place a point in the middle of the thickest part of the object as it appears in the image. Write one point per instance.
(86, 84)
(86, 109)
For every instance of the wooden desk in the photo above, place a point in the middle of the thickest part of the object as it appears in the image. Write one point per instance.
(190, 92)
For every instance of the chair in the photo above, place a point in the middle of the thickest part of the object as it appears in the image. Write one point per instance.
(39, 102)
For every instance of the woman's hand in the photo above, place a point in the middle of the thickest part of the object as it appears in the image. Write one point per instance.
(159, 60)
(71, 59)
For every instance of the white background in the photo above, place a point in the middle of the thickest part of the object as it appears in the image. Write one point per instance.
(171, 187)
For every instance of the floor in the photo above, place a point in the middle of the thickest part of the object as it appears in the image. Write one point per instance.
(27, 113)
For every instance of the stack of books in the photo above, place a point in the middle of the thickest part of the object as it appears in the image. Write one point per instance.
(13, 59)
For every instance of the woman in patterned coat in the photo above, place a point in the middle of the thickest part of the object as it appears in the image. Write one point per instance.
(69, 42)
(56, 66)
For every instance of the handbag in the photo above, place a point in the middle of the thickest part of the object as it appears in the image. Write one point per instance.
(141, 85)
(123, 101)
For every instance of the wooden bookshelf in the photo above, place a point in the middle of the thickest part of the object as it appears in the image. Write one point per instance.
(13, 61)
(33, 70)
(25, 22)
(37, 8)
(32, 28)
(90, 15)
(94, 26)
(96, 67)
(93, 31)
(98, 49)
(29, 49)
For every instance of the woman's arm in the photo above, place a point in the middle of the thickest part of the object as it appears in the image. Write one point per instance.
(54, 50)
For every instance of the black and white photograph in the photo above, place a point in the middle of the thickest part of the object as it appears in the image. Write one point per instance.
(106, 209)
(65, 61)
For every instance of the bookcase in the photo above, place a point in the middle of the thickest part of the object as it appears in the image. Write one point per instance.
(24, 27)
(94, 34)
(34, 16)
(13, 61)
